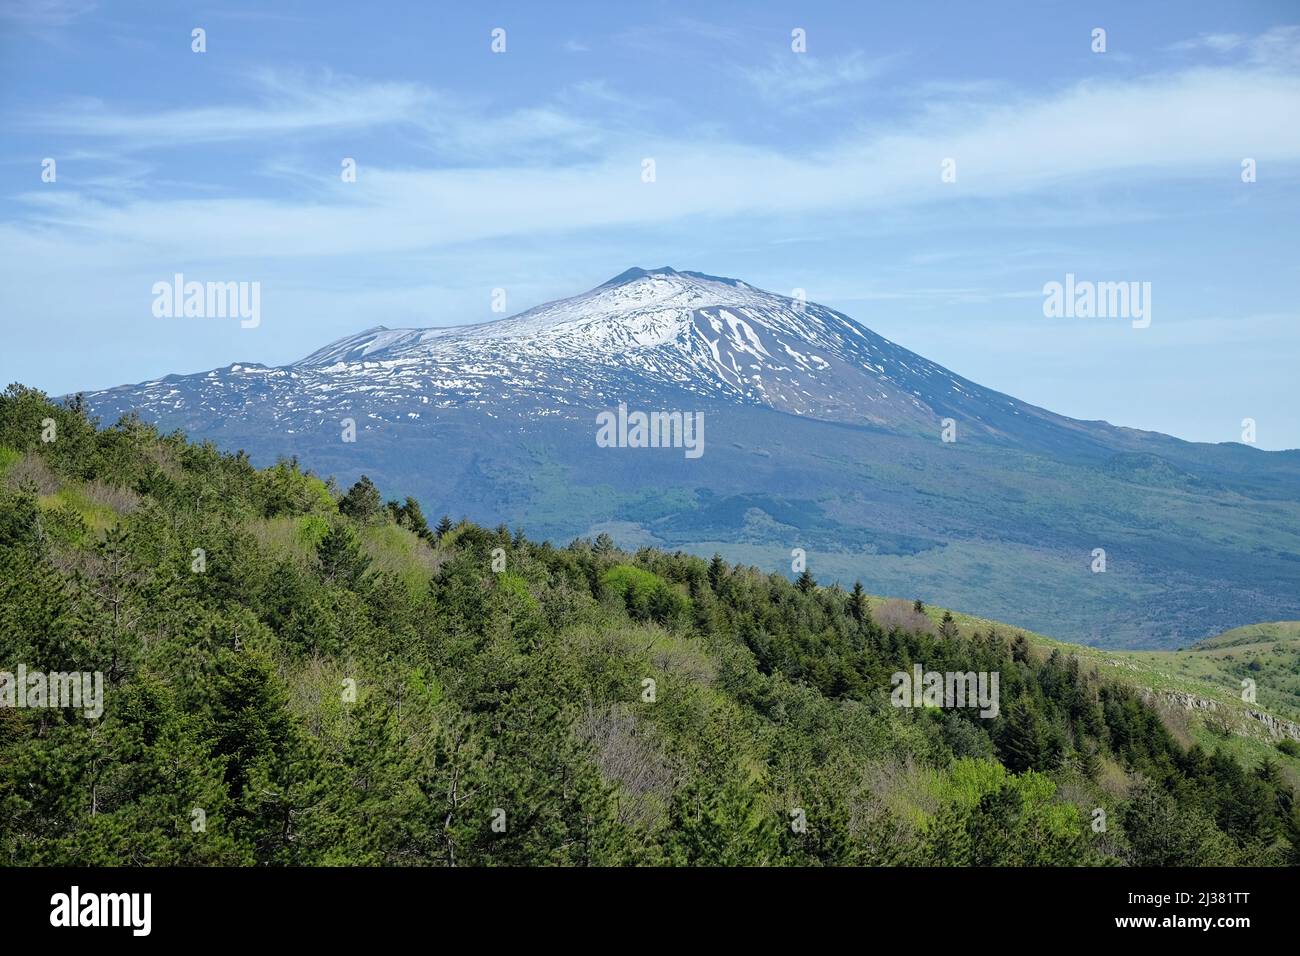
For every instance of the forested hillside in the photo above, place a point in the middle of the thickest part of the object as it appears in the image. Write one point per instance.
(294, 675)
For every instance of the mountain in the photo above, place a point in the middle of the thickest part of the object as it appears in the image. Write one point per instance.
(642, 334)
(818, 434)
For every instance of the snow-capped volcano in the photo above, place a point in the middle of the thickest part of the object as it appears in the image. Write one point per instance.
(819, 433)
(644, 331)
(639, 308)
(642, 335)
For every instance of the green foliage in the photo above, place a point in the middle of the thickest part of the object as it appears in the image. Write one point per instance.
(362, 503)
(339, 553)
(646, 595)
(339, 685)
(990, 818)
(409, 515)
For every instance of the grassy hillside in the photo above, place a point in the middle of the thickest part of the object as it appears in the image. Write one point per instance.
(294, 675)
(967, 524)
(1210, 671)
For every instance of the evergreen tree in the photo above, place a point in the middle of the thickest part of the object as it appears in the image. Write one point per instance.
(1291, 831)
(1020, 649)
(948, 627)
(1021, 743)
(723, 826)
(413, 518)
(717, 571)
(362, 502)
(1162, 833)
(1090, 762)
(859, 606)
(340, 556)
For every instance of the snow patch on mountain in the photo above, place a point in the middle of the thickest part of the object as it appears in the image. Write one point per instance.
(644, 333)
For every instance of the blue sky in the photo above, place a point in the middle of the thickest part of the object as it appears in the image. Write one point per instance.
(522, 171)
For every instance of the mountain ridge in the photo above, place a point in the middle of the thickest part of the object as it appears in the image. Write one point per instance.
(668, 331)
(821, 435)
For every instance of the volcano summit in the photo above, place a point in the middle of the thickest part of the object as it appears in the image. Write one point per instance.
(823, 436)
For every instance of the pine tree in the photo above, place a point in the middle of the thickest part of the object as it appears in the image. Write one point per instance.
(1021, 743)
(805, 582)
(1090, 762)
(270, 767)
(362, 502)
(717, 571)
(995, 828)
(1162, 833)
(859, 607)
(1291, 830)
(721, 826)
(948, 627)
(444, 526)
(340, 556)
(413, 518)
(1020, 649)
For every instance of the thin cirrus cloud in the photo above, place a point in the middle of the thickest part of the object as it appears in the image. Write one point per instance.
(1279, 46)
(1185, 124)
(285, 105)
(800, 79)
(44, 13)
(289, 104)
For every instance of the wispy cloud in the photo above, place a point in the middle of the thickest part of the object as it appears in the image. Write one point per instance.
(680, 36)
(297, 104)
(1279, 46)
(1194, 124)
(44, 13)
(1216, 42)
(803, 78)
(284, 105)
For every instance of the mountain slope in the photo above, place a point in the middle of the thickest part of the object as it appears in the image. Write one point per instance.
(819, 434)
(643, 333)
(338, 684)
(1198, 689)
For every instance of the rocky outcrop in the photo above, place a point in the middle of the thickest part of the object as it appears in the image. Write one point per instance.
(1277, 728)
(1246, 723)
